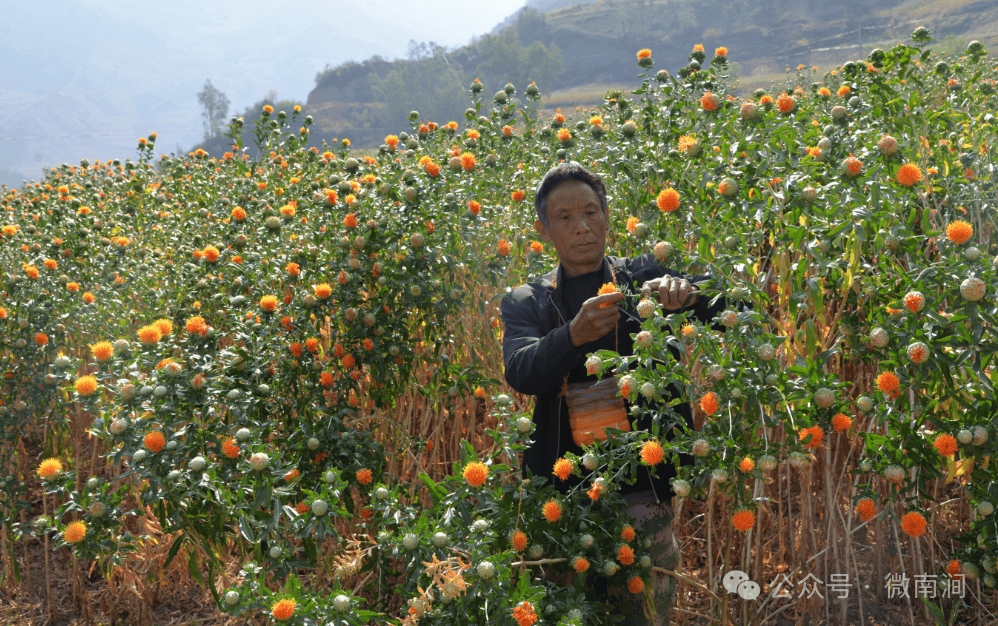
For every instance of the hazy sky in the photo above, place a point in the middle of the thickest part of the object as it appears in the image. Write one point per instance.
(84, 78)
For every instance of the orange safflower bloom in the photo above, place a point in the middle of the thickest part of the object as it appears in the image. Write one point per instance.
(468, 161)
(364, 476)
(154, 441)
(915, 301)
(368, 344)
(268, 303)
(866, 509)
(392, 140)
(49, 468)
(668, 200)
(149, 334)
(564, 134)
(238, 214)
(888, 382)
(580, 564)
(817, 436)
(627, 533)
(594, 492)
(632, 223)
(519, 541)
(635, 584)
(348, 361)
(953, 569)
(283, 609)
(652, 453)
(350, 221)
(323, 291)
(843, 91)
(708, 102)
(474, 207)
(211, 254)
(746, 465)
(524, 614)
(743, 520)
(312, 344)
(913, 524)
(959, 232)
(563, 468)
(786, 103)
(853, 165)
(945, 444)
(295, 349)
(552, 511)
(73, 286)
(518, 195)
(503, 247)
(197, 326)
(230, 448)
(841, 422)
(721, 52)
(327, 379)
(41, 339)
(644, 54)
(31, 271)
(476, 473)
(164, 326)
(432, 169)
(86, 385)
(89, 298)
(51, 264)
(909, 174)
(75, 532)
(709, 403)
(625, 554)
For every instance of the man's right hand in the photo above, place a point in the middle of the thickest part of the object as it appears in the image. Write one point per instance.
(593, 322)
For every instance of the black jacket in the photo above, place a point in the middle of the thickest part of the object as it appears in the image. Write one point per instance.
(538, 354)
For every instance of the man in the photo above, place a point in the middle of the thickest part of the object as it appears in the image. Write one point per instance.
(551, 325)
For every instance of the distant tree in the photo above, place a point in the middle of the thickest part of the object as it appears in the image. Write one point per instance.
(216, 109)
(505, 60)
(428, 82)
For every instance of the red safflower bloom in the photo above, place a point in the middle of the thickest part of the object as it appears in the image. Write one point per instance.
(743, 520)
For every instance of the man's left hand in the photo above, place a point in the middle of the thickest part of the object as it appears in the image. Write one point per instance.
(673, 292)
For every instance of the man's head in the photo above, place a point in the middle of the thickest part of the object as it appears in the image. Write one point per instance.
(574, 216)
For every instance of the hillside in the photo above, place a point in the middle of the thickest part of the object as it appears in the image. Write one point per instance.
(597, 42)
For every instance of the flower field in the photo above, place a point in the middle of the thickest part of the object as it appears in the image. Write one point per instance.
(280, 380)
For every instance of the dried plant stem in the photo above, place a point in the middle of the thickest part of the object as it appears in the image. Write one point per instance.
(48, 580)
(897, 541)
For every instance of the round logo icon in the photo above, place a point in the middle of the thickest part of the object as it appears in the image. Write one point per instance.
(749, 590)
(732, 579)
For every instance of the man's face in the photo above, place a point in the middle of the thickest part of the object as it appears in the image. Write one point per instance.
(577, 226)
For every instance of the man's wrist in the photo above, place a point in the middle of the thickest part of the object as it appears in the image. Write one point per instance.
(569, 330)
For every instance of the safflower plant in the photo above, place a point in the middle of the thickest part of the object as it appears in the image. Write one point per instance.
(290, 357)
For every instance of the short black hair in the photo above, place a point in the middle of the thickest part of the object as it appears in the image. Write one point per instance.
(562, 173)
